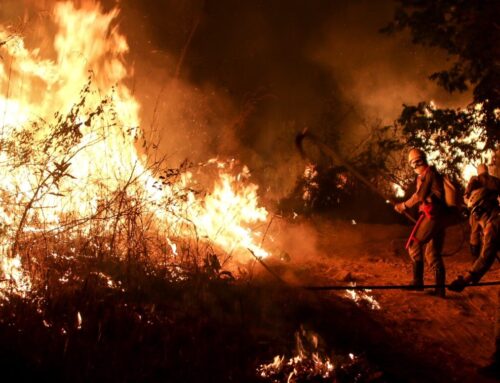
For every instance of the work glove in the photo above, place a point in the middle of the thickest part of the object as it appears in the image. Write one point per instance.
(458, 285)
(400, 207)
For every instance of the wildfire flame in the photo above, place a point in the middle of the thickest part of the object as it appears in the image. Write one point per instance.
(475, 136)
(14, 279)
(311, 184)
(399, 192)
(79, 123)
(362, 297)
(308, 364)
(311, 364)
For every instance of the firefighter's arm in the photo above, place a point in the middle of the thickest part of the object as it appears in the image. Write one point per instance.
(412, 201)
(420, 195)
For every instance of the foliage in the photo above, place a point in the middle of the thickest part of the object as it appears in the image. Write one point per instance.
(379, 156)
(453, 138)
(46, 150)
(468, 31)
(329, 186)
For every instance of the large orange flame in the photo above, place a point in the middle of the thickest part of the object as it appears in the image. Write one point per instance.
(39, 92)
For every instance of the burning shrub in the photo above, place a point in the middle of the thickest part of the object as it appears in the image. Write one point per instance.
(80, 179)
(311, 364)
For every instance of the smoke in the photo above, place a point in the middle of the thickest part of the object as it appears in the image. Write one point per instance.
(378, 73)
(256, 73)
(246, 85)
(240, 78)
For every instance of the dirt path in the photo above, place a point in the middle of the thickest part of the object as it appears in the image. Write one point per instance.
(456, 331)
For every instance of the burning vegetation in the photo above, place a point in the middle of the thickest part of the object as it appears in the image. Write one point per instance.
(87, 203)
(78, 174)
(117, 265)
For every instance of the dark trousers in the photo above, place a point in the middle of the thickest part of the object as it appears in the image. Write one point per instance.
(428, 241)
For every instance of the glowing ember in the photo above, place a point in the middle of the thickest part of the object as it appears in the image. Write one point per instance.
(311, 184)
(78, 320)
(362, 297)
(307, 364)
(311, 365)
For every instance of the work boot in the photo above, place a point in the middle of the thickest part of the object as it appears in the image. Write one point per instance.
(418, 276)
(475, 251)
(440, 280)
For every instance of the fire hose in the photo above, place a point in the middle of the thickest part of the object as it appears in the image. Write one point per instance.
(305, 134)
(362, 287)
(334, 156)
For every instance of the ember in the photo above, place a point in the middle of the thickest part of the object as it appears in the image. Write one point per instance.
(311, 364)
(362, 297)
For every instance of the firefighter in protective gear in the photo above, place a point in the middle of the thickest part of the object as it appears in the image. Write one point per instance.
(429, 231)
(482, 180)
(483, 204)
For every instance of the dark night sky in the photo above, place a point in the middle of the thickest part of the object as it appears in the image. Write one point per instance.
(258, 71)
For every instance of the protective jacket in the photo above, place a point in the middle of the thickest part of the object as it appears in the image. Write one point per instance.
(483, 180)
(489, 182)
(429, 193)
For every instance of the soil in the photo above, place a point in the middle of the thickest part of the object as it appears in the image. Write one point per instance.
(209, 328)
(454, 335)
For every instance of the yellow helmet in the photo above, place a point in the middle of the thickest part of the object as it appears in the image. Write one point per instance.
(415, 155)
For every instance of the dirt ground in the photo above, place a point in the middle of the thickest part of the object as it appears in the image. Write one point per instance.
(457, 331)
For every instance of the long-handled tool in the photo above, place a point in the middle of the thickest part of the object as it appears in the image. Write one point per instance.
(360, 287)
(305, 134)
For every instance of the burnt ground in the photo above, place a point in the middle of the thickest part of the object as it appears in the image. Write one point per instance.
(442, 339)
(216, 330)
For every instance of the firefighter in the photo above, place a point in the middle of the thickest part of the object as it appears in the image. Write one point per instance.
(482, 180)
(483, 204)
(429, 231)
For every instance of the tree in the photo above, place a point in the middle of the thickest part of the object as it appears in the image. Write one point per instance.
(468, 30)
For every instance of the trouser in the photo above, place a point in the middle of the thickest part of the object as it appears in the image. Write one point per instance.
(428, 238)
(475, 231)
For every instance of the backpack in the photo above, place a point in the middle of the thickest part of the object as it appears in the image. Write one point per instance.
(451, 197)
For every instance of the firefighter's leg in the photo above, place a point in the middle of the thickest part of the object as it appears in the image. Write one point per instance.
(475, 237)
(434, 258)
(415, 251)
(421, 235)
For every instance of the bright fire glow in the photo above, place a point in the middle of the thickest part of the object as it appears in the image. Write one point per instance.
(96, 162)
(399, 192)
(360, 297)
(13, 277)
(308, 362)
(476, 136)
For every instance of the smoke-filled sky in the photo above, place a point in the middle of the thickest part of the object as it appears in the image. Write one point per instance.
(240, 78)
